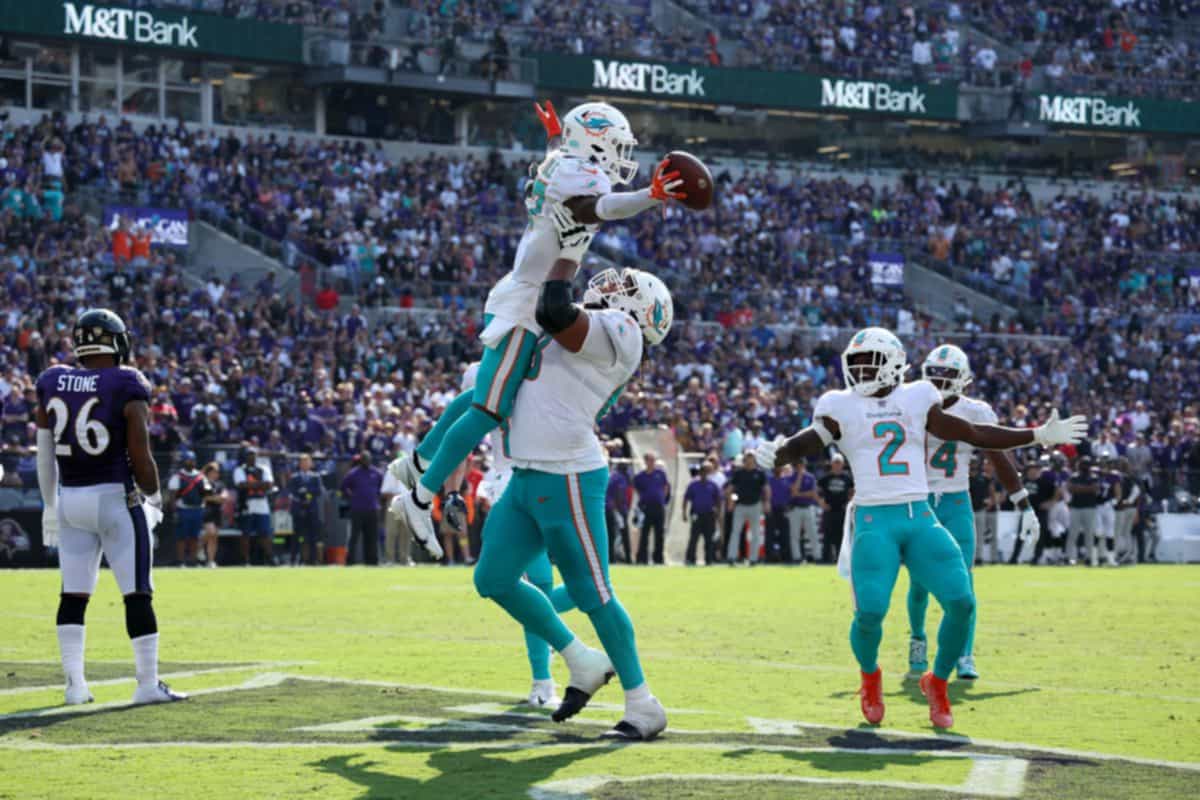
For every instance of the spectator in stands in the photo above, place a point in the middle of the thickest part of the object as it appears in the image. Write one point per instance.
(188, 487)
(214, 510)
(701, 504)
(748, 489)
(254, 482)
(654, 492)
(836, 490)
(361, 486)
(307, 494)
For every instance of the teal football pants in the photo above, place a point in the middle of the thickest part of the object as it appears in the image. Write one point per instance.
(541, 574)
(475, 413)
(562, 514)
(908, 533)
(953, 510)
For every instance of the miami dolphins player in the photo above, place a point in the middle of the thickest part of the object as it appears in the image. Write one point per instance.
(569, 198)
(555, 499)
(948, 469)
(881, 423)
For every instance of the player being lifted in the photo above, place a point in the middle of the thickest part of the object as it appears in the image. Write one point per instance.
(880, 423)
(555, 499)
(95, 471)
(948, 470)
(570, 196)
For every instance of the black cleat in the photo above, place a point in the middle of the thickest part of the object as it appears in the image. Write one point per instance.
(574, 700)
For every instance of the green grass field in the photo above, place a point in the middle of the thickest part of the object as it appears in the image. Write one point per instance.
(401, 683)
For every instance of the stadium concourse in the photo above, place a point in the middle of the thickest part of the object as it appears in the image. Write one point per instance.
(389, 231)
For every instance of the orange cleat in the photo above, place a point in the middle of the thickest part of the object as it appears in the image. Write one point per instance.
(934, 689)
(871, 691)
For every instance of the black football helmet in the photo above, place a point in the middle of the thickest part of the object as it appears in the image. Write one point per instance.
(100, 332)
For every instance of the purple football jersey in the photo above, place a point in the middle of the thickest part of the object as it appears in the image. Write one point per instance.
(87, 415)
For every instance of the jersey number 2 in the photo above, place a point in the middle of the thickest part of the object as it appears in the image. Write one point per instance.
(895, 436)
(945, 458)
(91, 434)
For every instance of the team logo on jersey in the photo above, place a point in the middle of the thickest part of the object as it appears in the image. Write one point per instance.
(594, 124)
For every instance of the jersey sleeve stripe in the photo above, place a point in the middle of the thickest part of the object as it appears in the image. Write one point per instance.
(579, 518)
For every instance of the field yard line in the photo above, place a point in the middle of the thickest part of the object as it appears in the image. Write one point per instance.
(378, 723)
(184, 674)
(581, 788)
(784, 727)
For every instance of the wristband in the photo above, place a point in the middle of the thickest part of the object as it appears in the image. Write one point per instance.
(1018, 496)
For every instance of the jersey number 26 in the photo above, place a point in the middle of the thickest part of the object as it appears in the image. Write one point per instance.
(90, 434)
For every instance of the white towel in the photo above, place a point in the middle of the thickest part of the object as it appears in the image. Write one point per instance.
(843, 565)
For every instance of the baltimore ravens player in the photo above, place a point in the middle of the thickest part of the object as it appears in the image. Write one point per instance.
(555, 498)
(569, 198)
(948, 469)
(96, 472)
(880, 423)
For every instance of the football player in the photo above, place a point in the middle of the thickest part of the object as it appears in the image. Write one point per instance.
(948, 470)
(101, 494)
(555, 498)
(568, 199)
(881, 424)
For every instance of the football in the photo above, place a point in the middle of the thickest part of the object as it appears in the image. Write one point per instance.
(697, 181)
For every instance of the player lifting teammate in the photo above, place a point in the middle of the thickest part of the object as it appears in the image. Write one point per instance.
(569, 198)
(881, 424)
(101, 495)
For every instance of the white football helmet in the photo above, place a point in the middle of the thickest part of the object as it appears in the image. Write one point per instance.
(599, 133)
(642, 295)
(948, 369)
(888, 361)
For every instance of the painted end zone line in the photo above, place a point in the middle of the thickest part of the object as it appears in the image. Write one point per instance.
(192, 673)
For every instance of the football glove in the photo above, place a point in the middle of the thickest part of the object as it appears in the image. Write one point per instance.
(1060, 431)
(50, 527)
(549, 119)
(664, 186)
(764, 454)
(1028, 527)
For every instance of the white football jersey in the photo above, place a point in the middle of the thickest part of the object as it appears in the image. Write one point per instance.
(552, 428)
(883, 438)
(949, 463)
(512, 301)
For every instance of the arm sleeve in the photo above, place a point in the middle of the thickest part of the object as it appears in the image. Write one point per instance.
(575, 178)
(827, 407)
(47, 468)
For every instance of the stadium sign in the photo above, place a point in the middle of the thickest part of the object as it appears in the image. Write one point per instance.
(745, 87)
(1088, 112)
(202, 34)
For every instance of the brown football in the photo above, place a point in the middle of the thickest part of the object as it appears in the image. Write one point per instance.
(697, 181)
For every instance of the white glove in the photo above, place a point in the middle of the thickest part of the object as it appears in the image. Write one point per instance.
(1029, 527)
(49, 527)
(155, 499)
(572, 235)
(396, 507)
(1060, 431)
(764, 454)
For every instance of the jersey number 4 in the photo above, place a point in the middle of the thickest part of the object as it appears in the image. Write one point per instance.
(945, 458)
(894, 433)
(90, 434)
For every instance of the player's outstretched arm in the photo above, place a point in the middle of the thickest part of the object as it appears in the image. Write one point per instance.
(811, 441)
(997, 437)
(550, 121)
(592, 209)
(137, 441)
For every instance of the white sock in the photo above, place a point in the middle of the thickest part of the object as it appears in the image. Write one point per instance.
(573, 652)
(145, 659)
(547, 683)
(70, 645)
(637, 694)
(424, 495)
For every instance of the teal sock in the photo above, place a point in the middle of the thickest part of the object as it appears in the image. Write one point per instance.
(457, 444)
(532, 609)
(952, 635)
(428, 447)
(561, 599)
(615, 630)
(865, 632)
(536, 647)
(918, 603)
(969, 647)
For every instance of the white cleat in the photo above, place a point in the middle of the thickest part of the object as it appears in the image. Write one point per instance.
(590, 672)
(407, 473)
(158, 693)
(643, 721)
(543, 695)
(77, 694)
(1111, 559)
(405, 507)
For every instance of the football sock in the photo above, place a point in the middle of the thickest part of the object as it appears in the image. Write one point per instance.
(70, 646)
(536, 647)
(458, 443)
(615, 630)
(952, 635)
(145, 659)
(532, 609)
(561, 599)
(637, 694)
(865, 632)
(428, 447)
(918, 603)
